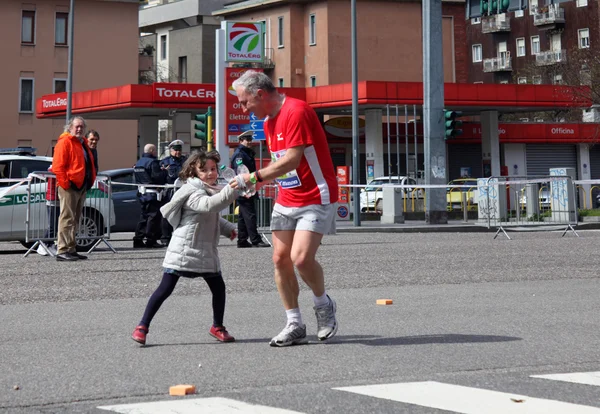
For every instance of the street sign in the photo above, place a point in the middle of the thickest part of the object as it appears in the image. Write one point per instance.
(257, 127)
(258, 135)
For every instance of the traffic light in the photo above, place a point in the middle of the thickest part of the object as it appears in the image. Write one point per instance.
(451, 125)
(203, 127)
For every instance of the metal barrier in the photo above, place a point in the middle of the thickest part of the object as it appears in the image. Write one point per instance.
(520, 203)
(42, 210)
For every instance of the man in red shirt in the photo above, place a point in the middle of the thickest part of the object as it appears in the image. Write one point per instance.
(305, 207)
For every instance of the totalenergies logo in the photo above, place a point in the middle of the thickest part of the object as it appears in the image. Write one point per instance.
(245, 37)
(244, 42)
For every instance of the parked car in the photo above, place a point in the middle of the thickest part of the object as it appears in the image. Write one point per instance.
(18, 163)
(371, 197)
(454, 195)
(125, 200)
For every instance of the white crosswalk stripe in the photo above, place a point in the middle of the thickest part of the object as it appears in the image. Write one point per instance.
(467, 400)
(588, 378)
(430, 394)
(195, 406)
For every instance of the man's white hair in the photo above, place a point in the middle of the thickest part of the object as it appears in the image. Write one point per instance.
(72, 120)
(252, 81)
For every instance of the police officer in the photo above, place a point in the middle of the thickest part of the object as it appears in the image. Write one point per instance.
(147, 171)
(247, 207)
(172, 165)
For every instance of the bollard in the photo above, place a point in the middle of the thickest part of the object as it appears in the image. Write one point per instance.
(465, 208)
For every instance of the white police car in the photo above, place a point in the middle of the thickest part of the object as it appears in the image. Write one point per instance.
(18, 163)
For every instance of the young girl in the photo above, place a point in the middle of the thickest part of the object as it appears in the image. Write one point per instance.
(194, 214)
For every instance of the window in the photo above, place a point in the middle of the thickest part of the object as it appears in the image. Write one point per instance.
(61, 29)
(558, 80)
(313, 81)
(182, 75)
(582, 3)
(163, 47)
(280, 81)
(522, 80)
(280, 31)
(584, 38)
(521, 47)
(60, 85)
(476, 20)
(22, 168)
(312, 30)
(28, 27)
(26, 95)
(476, 53)
(535, 45)
(537, 80)
(519, 13)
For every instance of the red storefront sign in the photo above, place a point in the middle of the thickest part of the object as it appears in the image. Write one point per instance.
(183, 92)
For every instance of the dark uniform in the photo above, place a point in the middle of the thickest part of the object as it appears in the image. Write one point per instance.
(147, 171)
(247, 231)
(172, 165)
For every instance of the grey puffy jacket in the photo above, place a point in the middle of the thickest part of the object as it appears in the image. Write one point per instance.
(194, 214)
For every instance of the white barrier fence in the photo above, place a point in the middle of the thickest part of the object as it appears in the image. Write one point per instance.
(43, 210)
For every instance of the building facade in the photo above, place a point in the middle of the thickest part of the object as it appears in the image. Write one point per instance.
(35, 63)
(308, 43)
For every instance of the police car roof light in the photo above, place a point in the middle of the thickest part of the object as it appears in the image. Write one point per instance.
(18, 151)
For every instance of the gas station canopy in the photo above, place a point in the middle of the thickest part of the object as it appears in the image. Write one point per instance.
(161, 99)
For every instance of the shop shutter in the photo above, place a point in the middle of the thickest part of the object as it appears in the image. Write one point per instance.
(459, 156)
(542, 157)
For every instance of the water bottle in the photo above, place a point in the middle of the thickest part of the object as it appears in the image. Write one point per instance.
(251, 188)
(227, 173)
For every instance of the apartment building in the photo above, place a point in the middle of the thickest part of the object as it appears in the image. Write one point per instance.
(35, 63)
(308, 43)
(546, 42)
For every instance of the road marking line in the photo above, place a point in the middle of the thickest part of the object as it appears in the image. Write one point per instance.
(588, 378)
(195, 406)
(467, 400)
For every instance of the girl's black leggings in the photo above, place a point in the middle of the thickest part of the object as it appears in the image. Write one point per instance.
(166, 287)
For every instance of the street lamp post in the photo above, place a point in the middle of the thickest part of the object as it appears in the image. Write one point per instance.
(355, 130)
(70, 64)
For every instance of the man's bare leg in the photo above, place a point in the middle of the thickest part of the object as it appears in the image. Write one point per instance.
(303, 254)
(285, 277)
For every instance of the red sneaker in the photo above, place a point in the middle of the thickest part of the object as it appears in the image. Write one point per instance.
(139, 334)
(221, 334)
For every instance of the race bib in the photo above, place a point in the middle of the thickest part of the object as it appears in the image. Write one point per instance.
(289, 180)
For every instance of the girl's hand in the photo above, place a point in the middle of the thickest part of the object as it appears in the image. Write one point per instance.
(240, 181)
(233, 235)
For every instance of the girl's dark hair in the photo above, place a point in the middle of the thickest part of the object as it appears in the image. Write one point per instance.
(197, 159)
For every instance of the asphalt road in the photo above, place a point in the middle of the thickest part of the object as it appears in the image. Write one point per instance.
(468, 310)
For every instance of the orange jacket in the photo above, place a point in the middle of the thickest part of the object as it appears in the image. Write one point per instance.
(68, 163)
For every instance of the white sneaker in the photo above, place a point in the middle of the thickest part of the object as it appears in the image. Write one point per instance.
(292, 334)
(327, 325)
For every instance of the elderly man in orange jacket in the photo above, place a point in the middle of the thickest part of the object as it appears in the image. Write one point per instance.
(73, 165)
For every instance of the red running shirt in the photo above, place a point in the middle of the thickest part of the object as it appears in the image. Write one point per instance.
(314, 181)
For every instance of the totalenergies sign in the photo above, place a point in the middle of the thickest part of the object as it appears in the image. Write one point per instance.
(183, 92)
(244, 42)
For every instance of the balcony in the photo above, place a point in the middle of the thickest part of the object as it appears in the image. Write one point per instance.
(501, 63)
(495, 24)
(548, 17)
(551, 57)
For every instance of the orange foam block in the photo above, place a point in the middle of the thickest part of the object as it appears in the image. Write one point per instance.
(182, 390)
(385, 301)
